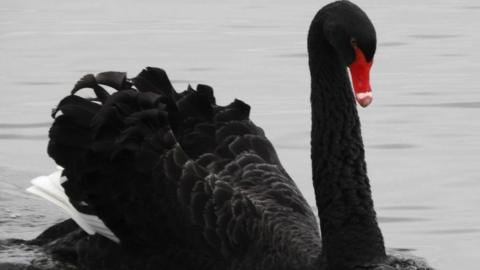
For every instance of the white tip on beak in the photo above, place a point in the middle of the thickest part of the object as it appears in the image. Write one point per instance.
(364, 98)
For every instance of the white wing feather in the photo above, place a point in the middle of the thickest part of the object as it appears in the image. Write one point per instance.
(50, 188)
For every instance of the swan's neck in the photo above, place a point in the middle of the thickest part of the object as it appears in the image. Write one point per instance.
(350, 233)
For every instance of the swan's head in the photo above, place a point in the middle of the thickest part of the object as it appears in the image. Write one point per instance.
(351, 33)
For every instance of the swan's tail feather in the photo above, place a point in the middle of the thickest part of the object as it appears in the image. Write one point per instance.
(50, 188)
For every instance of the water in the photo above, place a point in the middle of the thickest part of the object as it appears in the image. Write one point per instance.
(421, 132)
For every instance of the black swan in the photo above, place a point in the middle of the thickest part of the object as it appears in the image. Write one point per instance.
(165, 180)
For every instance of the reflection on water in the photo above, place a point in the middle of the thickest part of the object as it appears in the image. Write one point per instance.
(421, 133)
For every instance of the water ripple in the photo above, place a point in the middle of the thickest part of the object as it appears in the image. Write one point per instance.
(23, 137)
(399, 219)
(392, 146)
(472, 7)
(455, 231)
(36, 83)
(392, 44)
(25, 125)
(292, 55)
(184, 81)
(199, 69)
(469, 105)
(434, 36)
(250, 26)
(424, 93)
(453, 55)
(408, 207)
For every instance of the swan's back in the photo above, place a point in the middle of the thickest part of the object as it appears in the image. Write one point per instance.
(190, 182)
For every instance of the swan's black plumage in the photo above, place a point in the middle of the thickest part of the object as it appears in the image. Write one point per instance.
(173, 171)
(187, 184)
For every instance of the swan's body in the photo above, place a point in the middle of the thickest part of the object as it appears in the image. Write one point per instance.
(182, 183)
(157, 188)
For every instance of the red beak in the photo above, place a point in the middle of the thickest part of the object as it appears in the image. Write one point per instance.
(360, 71)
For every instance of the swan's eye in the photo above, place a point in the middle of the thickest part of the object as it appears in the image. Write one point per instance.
(353, 41)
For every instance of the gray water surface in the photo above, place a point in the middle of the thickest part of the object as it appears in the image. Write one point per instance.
(421, 132)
